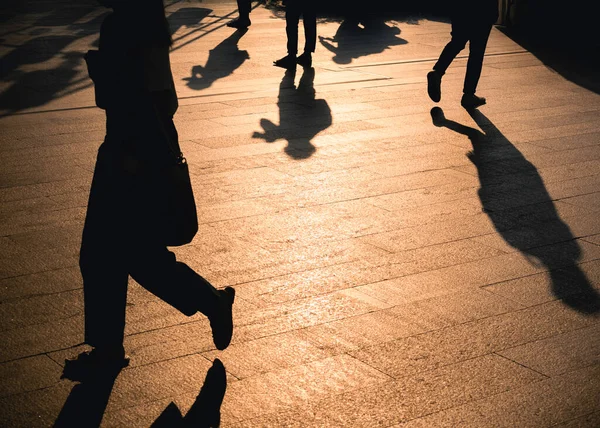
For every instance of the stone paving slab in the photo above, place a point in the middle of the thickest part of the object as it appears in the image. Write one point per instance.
(385, 275)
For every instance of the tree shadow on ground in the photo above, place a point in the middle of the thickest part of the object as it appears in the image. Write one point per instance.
(513, 195)
(222, 61)
(301, 116)
(86, 404)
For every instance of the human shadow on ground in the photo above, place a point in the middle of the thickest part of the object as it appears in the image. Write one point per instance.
(222, 61)
(86, 404)
(355, 38)
(206, 410)
(513, 195)
(301, 116)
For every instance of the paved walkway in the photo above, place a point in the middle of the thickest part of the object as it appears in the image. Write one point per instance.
(393, 267)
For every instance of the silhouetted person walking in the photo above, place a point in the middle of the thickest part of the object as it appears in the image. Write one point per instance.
(243, 20)
(472, 21)
(119, 235)
(294, 9)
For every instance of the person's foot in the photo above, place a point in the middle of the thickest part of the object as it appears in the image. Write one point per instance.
(305, 60)
(434, 86)
(471, 101)
(221, 321)
(239, 23)
(437, 116)
(288, 62)
(206, 410)
(95, 364)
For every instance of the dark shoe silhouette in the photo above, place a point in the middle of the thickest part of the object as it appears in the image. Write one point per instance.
(437, 116)
(288, 62)
(206, 410)
(239, 23)
(305, 60)
(434, 86)
(95, 364)
(221, 321)
(469, 101)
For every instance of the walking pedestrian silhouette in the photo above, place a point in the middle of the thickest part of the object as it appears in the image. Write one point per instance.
(301, 116)
(472, 21)
(515, 198)
(122, 231)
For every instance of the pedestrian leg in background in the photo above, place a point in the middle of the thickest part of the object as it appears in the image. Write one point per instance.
(243, 19)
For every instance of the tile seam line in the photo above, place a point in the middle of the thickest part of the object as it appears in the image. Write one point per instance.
(423, 60)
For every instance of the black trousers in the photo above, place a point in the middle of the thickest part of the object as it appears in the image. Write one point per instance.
(477, 35)
(244, 7)
(117, 242)
(306, 9)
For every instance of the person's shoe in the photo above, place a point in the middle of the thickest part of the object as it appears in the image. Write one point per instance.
(469, 101)
(221, 321)
(434, 86)
(95, 364)
(288, 62)
(239, 23)
(305, 60)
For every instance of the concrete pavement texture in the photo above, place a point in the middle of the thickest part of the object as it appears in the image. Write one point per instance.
(395, 264)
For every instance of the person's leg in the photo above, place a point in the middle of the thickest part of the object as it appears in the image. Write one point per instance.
(156, 269)
(309, 20)
(104, 279)
(458, 41)
(477, 44)
(244, 7)
(243, 19)
(292, 19)
(104, 276)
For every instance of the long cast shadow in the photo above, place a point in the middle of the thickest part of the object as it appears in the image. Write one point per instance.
(222, 61)
(206, 410)
(86, 404)
(514, 196)
(301, 115)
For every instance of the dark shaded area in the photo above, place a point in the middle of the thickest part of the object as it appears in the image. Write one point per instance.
(187, 17)
(355, 38)
(86, 404)
(206, 410)
(564, 37)
(37, 87)
(514, 196)
(222, 61)
(301, 116)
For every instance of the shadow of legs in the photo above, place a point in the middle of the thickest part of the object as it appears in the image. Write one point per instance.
(206, 410)
(86, 403)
